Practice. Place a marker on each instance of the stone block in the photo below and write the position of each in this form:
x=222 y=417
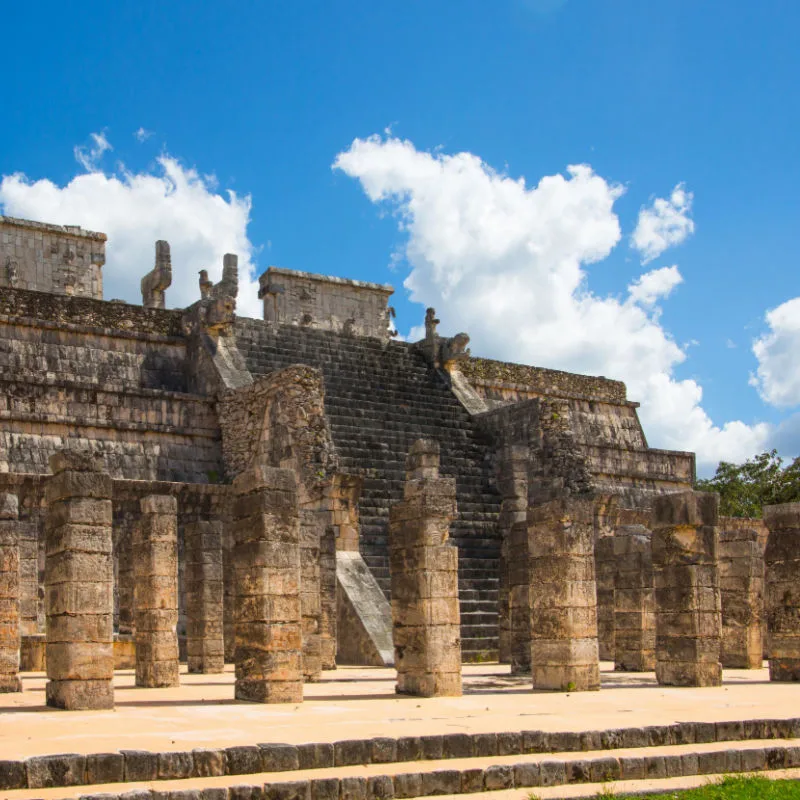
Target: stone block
x=325 y=789
x=380 y=787
x=279 y=757
x=140 y=765
x=353 y=788
x=208 y=762
x=80 y=695
x=13 y=775
x=67 y=769
x=243 y=760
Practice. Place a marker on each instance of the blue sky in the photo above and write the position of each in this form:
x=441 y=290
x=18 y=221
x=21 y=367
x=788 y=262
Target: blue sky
x=262 y=98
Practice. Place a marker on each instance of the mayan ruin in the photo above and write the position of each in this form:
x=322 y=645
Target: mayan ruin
x=268 y=517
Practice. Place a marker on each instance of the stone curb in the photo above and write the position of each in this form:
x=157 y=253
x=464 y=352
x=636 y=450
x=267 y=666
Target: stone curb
x=72 y=769
x=491 y=778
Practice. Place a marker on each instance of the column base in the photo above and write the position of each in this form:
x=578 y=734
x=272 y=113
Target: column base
x=80 y=695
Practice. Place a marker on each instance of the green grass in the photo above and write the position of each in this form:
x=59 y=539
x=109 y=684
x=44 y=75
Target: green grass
x=734 y=787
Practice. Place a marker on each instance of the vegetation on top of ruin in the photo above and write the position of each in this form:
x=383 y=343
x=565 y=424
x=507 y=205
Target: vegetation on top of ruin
x=744 y=489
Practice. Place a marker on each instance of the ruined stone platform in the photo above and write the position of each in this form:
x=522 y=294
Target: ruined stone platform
x=498 y=735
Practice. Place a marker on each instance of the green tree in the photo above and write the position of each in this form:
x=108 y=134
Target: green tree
x=744 y=489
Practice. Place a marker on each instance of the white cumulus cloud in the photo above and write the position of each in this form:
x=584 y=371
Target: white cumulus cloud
x=142 y=134
x=507 y=262
x=777 y=377
x=171 y=202
x=664 y=224
x=655 y=285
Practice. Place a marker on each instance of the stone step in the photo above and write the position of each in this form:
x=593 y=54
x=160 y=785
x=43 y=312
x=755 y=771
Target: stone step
x=455 y=764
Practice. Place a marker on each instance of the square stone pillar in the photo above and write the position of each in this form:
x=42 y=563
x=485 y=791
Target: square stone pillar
x=686 y=576
x=31 y=563
x=634 y=600
x=604 y=568
x=155 y=592
x=426 y=618
x=312 y=526
x=564 y=650
x=782 y=561
x=741 y=583
x=203 y=579
x=266 y=561
x=327 y=588
x=9 y=594
x=79 y=589
x=515 y=610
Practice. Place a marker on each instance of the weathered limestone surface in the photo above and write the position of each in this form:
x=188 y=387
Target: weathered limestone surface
x=515 y=603
x=327 y=605
x=155 y=599
x=741 y=581
x=602 y=423
x=604 y=566
x=63 y=259
x=564 y=650
x=426 y=620
x=203 y=577
x=339 y=510
x=9 y=594
x=105 y=378
x=266 y=561
x=31 y=577
x=782 y=560
x=688 y=606
x=79 y=584
x=634 y=600
x=320 y=301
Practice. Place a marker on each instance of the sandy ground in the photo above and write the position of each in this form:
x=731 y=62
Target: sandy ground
x=354 y=702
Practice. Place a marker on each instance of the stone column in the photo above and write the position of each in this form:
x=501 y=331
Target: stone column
x=513 y=486
x=686 y=577
x=266 y=562
x=564 y=650
x=741 y=583
x=634 y=600
x=782 y=559
x=9 y=594
x=327 y=587
x=604 y=567
x=426 y=619
x=203 y=579
x=312 y=524
x=31 y=622
x=79 y=590
x=155 y=593
x=340 y=509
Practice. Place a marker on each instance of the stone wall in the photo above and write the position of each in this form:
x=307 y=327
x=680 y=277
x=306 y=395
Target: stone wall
x=106 y=378
x=586 y=443
x=280 y=419
x=504 y=382
x=327 y=303
x=60 y=259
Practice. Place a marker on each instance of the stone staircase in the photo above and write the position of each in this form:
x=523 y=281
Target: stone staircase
x=380 y=398
x=382 y=768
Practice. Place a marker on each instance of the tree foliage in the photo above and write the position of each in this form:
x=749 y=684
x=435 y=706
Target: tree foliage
x=763 y=480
